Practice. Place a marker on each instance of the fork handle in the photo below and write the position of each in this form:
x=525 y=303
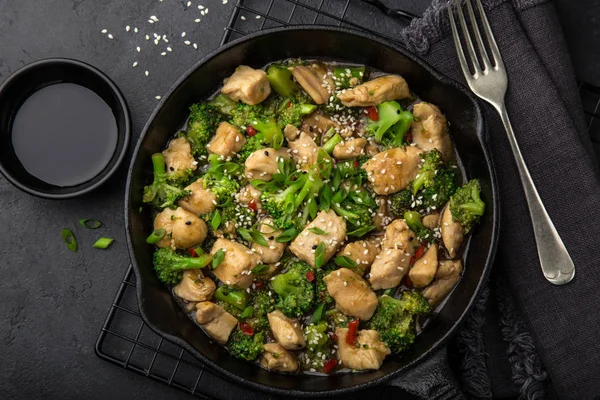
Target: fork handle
x=556 y=263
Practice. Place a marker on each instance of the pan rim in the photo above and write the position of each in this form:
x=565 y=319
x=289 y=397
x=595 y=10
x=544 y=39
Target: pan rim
x=482 y=136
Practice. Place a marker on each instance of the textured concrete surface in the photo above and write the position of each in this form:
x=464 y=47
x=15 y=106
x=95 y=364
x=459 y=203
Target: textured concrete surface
x=53 y=302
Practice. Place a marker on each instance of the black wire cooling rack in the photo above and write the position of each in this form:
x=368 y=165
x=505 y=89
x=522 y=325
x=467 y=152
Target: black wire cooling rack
x=124 y=339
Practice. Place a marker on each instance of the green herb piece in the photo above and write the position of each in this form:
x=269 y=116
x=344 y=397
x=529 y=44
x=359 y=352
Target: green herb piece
x=69 y=239
x=325 y=198
x=260 y=269
x=247 y=313
x=320 y=255
x=103 y=243
x=90 y=223
x=156 y=236
x=287 y=236
x=363 y=230
x=331 y=143
x=216 y=220
x=252 y=235
x=318 y=314
x=218 y=258
x=318 y=231
x=345 y=262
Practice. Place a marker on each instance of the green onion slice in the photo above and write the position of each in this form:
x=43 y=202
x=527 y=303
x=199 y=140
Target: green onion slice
x=345 y=262
x=363 y=230
x=216 y=220
x=318 y=314
x=69 y=239
x=318 y=231
x=156 y=236
x=287 y=236
x=218 y=258
x=260 y=269
x=320 y=255
x=90 y=223
x=103 y=243
x=247 y=313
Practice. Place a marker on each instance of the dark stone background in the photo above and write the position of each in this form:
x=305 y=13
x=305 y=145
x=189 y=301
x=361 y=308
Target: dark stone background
x=53 y=302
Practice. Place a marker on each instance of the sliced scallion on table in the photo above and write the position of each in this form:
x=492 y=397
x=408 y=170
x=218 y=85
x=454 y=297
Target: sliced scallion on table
x=103 y=243
x=69 y=239
x=90 y=223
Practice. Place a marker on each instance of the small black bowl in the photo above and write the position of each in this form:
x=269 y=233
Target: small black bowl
x=15 y=90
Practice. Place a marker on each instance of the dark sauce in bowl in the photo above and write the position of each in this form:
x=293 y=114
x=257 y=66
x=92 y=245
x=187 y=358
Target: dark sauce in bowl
x=64 y=134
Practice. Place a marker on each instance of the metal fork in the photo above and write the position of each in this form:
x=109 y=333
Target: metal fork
x=490 y=83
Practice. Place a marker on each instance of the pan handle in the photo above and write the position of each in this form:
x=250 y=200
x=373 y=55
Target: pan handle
x=431 y=379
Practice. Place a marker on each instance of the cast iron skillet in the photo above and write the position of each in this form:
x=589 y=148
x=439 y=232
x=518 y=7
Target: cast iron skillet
x=160 y=311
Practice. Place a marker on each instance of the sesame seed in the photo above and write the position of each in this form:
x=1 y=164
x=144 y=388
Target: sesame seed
x=127 y=28
x=243 y=18
x=258 y=17
x=135 y=30
x=158 y=97
x=104 y=31
x=187 y=42
x=110 y=36
x=182 y=34
x=147 y=73
x=138 y=49
x=134 y=64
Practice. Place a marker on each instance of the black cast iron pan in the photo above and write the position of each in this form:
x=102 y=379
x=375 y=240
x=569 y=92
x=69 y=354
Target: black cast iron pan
x=423 y=370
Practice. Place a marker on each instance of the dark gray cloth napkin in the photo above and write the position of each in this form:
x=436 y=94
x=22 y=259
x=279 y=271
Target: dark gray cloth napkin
x=546 y=113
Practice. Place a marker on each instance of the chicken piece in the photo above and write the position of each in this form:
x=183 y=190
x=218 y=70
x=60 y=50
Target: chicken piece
x=290 y=132
x=274 y=250
x=249 y=193
x=351 y=293
x=446 y=278
x=248 y=85
x=287 y=331
x=392 y=263
x=368 y=352
x=431 y=221
x=392 y=170
x=195 y=286
x=349 y=148
x=276 y=358
x=317 y=124
x=362 y=252
x=164 y=220
x=227 y=141
x=304 y=151
x=306 y=242
x=376 y=91
x=215 y=321
x=430 y=130
x=237 y=263
x=201 y=201
x=188 y=229
x=184 y=229
x=452 y=232
x=178 y=156
x=263 y=163
x=371 y=149
x=423 y=272
x=315 y=81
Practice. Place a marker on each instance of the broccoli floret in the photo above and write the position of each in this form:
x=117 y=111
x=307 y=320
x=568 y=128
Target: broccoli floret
x=323 y=296
x=296 y=294
x=169 y=265
x=262 y=305
x=394 y=319
x=318 y=344
x=435 y=183
x=253 y=144
x=280 y=78
x=356 y=207
x=466 y=205
x=237 y=298
x=162 y=192
x=351 y=168
x=292 y=110
x=337 y=318
x=413 y=220
x=392 y=125
x=224 y=104
x=203 y=123
x=261 y=118
x=400 y=203
x=246 y=347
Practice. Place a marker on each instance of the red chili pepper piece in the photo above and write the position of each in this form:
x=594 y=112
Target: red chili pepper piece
x=246 y=329
x=408 y=283
x=372 y=113
x=329 y=365
x=355 y=163
x=412 y=261
x=252 y=205
x=310 y=276
x=251 y=131
x=259 y=284
x=192 y=252
x=352 y=330
x=289 y=104
x=334 y=337
x=420 y=251
x=409 y=137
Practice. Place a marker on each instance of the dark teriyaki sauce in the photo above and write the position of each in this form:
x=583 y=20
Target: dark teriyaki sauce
x=64 y=134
